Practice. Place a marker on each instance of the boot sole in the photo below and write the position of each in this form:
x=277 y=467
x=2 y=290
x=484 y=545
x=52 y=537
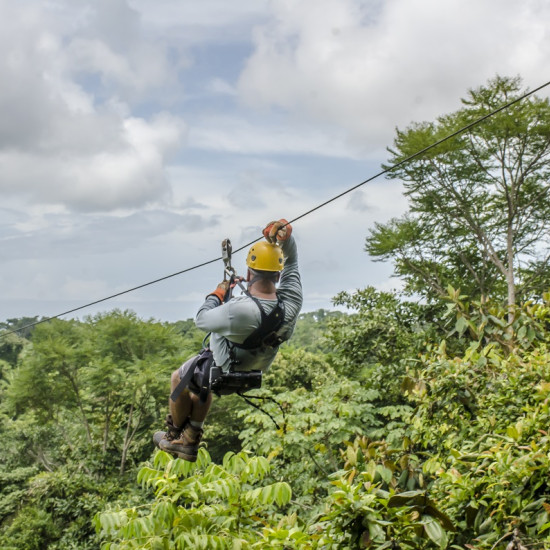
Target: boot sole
x=183 y=456
x=178 y=454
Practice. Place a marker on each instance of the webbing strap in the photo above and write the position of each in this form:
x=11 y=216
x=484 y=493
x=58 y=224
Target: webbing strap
x=205 y=382
x=205 y=357
x=269 y=324
x=185 y=379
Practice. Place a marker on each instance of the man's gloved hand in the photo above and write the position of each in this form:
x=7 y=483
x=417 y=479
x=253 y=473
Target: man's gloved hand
x=221 y=291
x=277 y=231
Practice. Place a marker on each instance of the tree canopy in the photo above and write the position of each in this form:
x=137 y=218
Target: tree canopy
x=479 y=203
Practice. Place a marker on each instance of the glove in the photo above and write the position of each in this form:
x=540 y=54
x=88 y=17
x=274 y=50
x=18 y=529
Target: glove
x=221 y=291
x=277 y=231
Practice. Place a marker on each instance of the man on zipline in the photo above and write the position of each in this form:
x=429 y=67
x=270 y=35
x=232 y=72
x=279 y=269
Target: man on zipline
x=246 y=332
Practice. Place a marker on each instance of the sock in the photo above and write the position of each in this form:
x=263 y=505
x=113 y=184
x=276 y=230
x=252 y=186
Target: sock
x=196 y=424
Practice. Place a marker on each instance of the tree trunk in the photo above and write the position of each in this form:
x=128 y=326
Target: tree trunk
x=80 y=404
x=106 y=429
x=510 y=275
x=126 y=443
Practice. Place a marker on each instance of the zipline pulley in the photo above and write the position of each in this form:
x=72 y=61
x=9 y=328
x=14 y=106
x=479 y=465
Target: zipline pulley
x=228 y=270
x=229 y=273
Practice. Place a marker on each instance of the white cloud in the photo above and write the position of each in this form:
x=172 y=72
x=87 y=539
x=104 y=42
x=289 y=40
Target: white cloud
x=74 y=288
x=207 y=14
x=235 y=134
x=220 y=87
x=369 y=66
x=63 y=142
x=127 y=170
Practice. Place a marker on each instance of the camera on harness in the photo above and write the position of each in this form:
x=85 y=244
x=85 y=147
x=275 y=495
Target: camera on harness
x=226 y=383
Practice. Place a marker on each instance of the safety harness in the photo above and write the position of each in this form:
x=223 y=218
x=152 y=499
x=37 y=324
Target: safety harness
x=266 y=334
x=202 y=376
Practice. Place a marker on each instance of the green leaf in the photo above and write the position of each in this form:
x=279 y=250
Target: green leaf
x=512 y=431
x=435 y=532
x=544 y=527
x=407 y=498
x=385 y=473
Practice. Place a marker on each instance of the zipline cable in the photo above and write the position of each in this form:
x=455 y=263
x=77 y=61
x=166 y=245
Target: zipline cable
x=422 y=151
x=46 y=319
x=321 y=205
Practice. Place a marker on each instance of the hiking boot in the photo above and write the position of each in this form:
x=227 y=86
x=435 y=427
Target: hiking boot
x=186 y=446
x=172 y=433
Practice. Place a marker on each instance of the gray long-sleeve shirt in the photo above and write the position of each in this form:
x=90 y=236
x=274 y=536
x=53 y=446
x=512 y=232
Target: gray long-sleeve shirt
x=235 y=320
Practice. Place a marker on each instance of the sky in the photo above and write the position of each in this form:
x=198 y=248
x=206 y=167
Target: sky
x=136 y=135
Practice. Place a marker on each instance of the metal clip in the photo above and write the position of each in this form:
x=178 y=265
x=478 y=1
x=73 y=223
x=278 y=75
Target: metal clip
x=226 y=257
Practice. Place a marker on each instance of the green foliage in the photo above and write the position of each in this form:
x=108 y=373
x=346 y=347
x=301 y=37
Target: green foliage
x=80 y=405
x=312 y=426
x=11 y=346
x=506 y=328
x=203 y=505
x=297 y=369
x=102 y=386
x=309 y=334
x=395 y=438
x=381 y=500
x=383 y=330
x=224 y=424
x=12 y=489
x=374 y=345
x=19 y=325
x=53 y=510
x=483 y=417
x=32 y=530
x=70 y=502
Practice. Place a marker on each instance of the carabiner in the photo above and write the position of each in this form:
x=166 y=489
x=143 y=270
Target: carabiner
x=226 y=257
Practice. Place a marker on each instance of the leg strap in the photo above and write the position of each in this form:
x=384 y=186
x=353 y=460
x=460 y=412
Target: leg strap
x=185 y=378
x=199 y=366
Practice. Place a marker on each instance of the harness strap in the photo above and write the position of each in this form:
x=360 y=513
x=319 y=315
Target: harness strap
x=185 y=379
x=205 y=382
x=205 y=356
x=270 y=323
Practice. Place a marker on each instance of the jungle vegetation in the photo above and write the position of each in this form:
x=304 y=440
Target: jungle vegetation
x=410 y=420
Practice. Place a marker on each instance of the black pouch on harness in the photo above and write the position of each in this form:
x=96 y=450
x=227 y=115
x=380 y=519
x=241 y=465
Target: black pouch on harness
x=226 y=383
x=196 y=376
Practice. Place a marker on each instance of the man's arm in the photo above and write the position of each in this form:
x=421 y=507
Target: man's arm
x=290 y=286
x=210 y=317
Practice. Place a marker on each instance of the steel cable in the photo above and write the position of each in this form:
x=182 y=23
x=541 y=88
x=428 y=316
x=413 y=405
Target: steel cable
x=321 y=205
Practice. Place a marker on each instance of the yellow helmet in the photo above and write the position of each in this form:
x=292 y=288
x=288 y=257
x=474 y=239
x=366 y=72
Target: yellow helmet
x=264 y=256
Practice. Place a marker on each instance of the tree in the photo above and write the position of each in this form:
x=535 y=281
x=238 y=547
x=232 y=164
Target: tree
x=102 y=386
x=382 y=330
x=20 y=325
x=479 y=203
x=76 y=416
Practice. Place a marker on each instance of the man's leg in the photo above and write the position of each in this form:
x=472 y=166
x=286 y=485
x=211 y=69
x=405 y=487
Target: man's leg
x=181 y=408
x=199 y=410
x=188 y=405
x=187 y=415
